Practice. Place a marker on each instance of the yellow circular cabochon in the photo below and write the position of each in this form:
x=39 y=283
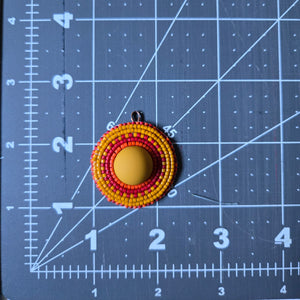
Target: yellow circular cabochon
x=133 y=165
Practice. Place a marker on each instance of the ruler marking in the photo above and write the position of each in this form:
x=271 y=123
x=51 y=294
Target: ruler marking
x=35 y=20
x=133 y=271
x=30 y=148
x=33 y=51
x=31 y=12
x=35 y=144
x=259 y=269
x=166 y=270
x=109 y=271
x=29 y=130
x=30 y=4
x=34 y=81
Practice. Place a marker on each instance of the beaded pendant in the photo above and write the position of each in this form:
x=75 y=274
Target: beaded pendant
x=134 y=164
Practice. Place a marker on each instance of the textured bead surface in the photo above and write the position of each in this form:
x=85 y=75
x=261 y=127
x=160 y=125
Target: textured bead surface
x=149 y=187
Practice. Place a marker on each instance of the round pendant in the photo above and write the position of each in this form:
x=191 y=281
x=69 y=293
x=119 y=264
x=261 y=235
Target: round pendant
x=134 y=164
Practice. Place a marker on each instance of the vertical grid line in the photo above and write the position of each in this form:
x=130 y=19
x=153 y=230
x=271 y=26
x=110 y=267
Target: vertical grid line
x=156 y=121
x=283 y=263
x=93 y=100
x=219 y=130
x=219 y=115
x=30 y=136
x=156 y=100
x=157 y=267
x=94 y=268
x=221 y=266
x=281 y=113
x=156 y=85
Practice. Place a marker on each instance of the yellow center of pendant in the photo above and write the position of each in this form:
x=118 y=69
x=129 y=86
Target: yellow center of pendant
x=133 y=165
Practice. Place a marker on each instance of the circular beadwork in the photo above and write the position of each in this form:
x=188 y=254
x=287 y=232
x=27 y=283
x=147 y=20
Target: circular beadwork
x=138 y=134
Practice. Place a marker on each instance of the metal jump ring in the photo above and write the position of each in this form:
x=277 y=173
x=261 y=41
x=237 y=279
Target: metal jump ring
x=136 y=116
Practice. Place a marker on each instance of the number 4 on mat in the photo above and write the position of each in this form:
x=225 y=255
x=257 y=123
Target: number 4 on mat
x=284 y=237
x=63 y=19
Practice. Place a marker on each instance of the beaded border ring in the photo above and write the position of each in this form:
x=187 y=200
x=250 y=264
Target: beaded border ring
x=140 y=134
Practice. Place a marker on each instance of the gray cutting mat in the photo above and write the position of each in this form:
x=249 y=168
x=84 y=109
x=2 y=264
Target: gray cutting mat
x=222 y=79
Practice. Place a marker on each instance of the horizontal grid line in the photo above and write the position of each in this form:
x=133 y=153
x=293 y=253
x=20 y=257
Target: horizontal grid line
x=216 y=143
x=175 y=273
x=151 y=19
x=154 y=270
x=213 y=19
x=164 y=80
x=294 y=205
